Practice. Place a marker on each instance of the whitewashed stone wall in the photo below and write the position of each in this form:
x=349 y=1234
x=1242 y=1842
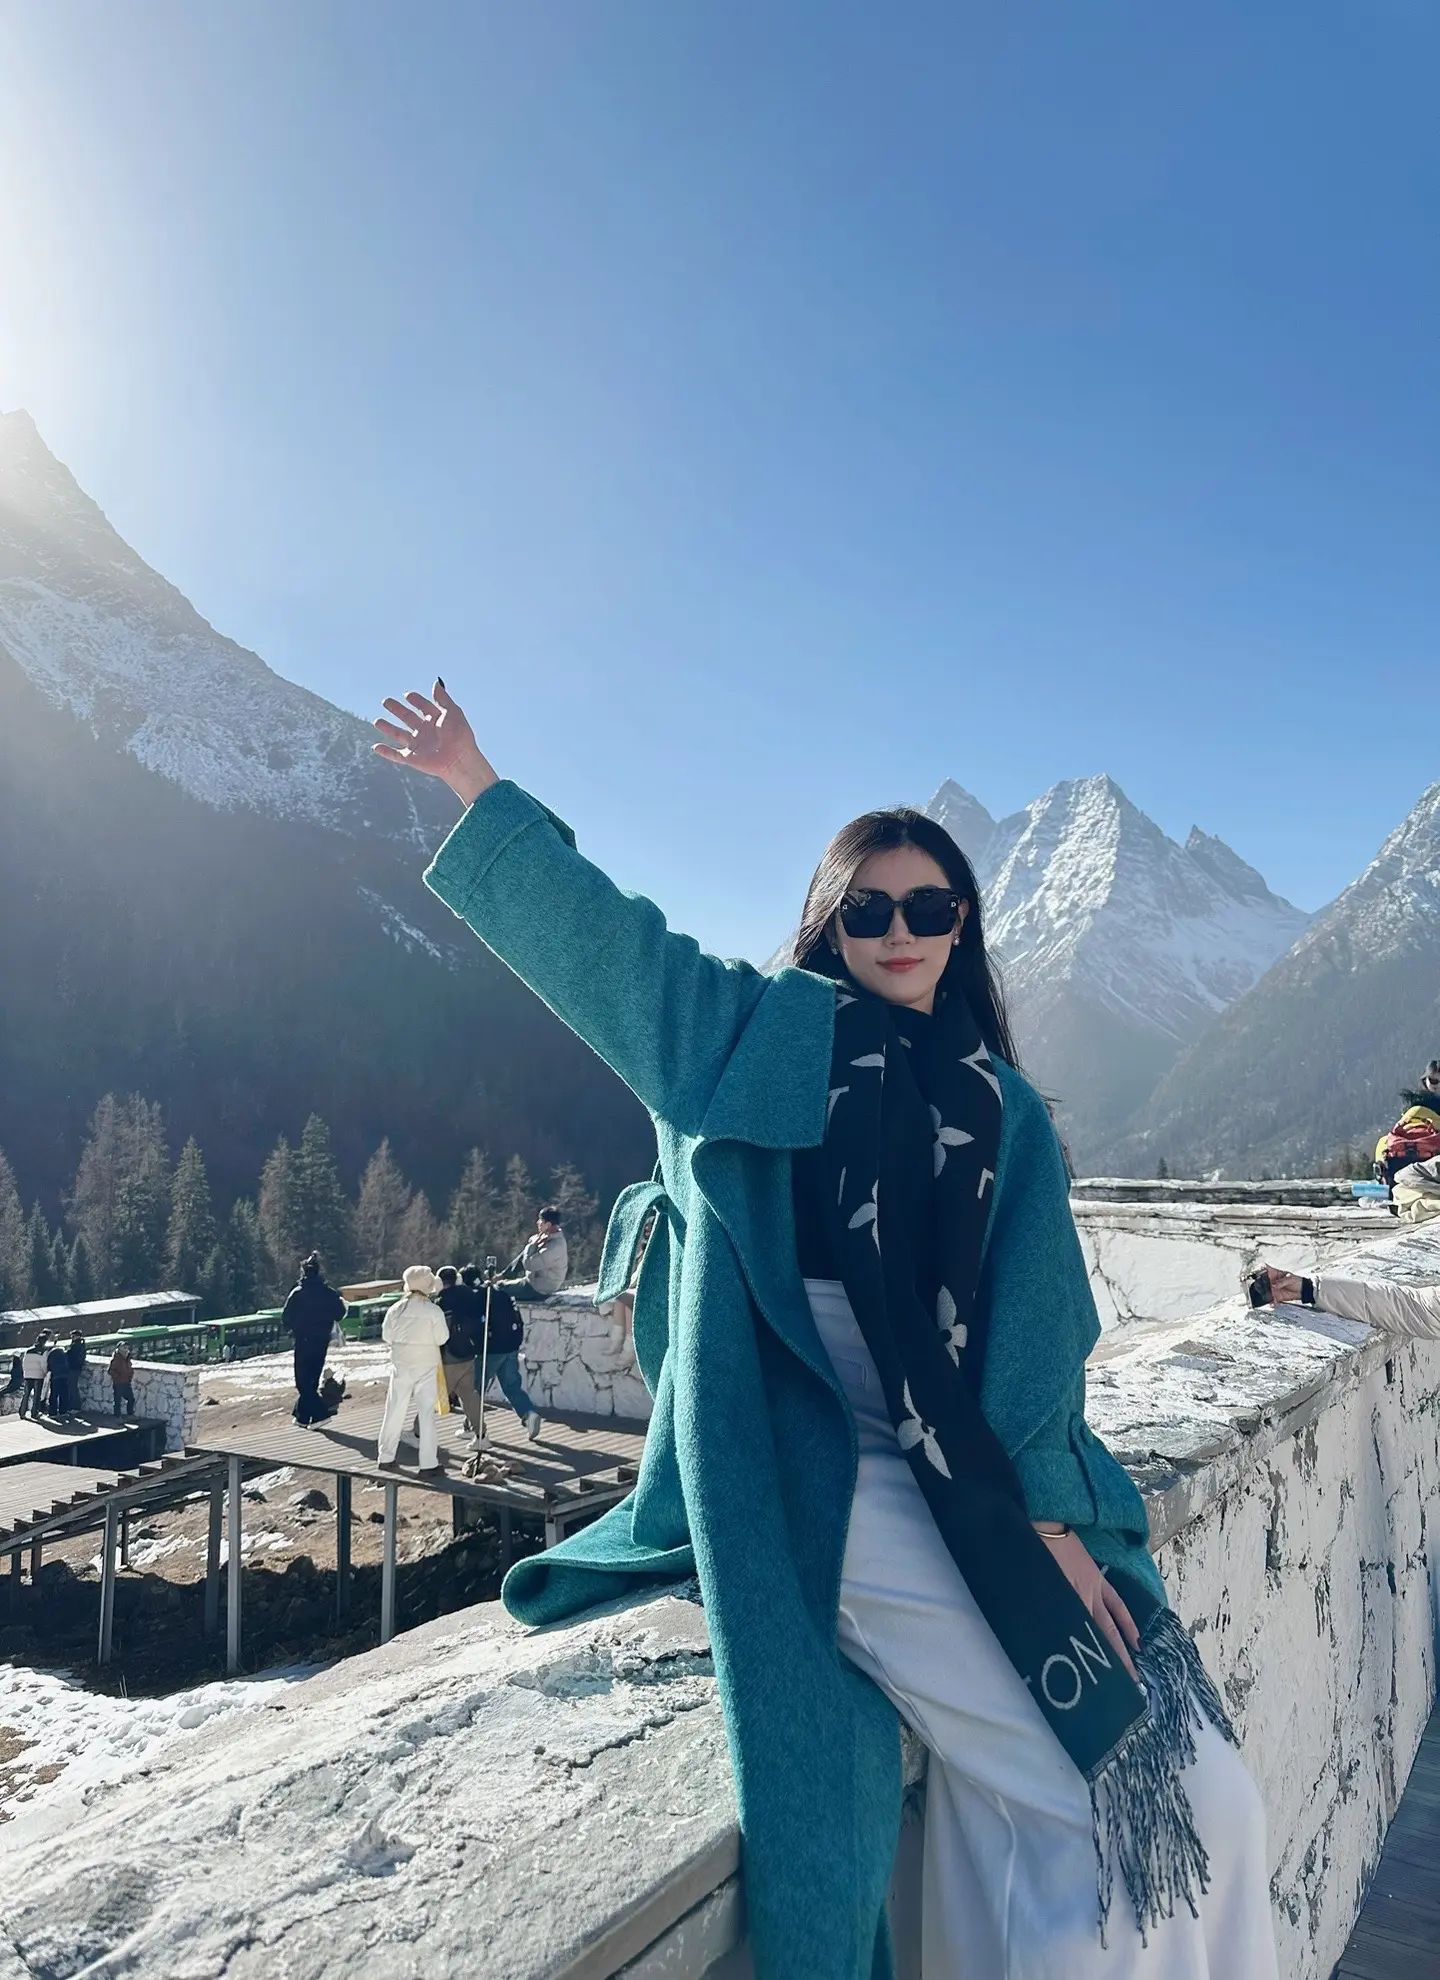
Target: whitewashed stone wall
x=1290 y=1462
x=1162 y=1260
x=167 y=1389
x=579 y=1358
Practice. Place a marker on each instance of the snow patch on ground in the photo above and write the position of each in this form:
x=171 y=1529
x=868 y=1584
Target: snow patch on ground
x=77 y=1743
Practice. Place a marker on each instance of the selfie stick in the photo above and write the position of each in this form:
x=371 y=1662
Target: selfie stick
x=490 y=1264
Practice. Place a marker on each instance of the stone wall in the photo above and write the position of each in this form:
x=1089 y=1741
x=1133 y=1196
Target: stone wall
x=169 y=1390
x=1161 y=1260
x=1288 y=1462
x=580 y=1358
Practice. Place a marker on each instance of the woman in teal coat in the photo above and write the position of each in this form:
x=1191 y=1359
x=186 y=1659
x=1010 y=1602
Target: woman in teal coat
x=864 y=1318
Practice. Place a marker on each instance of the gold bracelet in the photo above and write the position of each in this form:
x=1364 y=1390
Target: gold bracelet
x=1058 y=1532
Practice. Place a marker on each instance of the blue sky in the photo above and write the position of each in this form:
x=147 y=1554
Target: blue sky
x=759 y=412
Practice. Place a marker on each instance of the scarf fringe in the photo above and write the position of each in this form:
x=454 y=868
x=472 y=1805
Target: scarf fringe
x=1144 y=1826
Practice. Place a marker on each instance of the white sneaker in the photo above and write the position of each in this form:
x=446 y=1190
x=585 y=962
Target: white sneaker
x=532 y=1425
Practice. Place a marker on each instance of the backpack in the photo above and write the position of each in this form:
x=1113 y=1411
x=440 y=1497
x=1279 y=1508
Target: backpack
x=1415 y=1137
x=507 y=1329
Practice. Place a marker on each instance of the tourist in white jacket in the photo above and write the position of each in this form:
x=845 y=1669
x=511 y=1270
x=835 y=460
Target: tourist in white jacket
x=415 y=1330
x=1382 y=1303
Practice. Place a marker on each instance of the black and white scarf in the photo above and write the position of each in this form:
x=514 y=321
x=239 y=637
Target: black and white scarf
x=908 y=1163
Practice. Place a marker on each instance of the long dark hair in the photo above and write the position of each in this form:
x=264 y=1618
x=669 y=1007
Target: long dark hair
x=969 y=970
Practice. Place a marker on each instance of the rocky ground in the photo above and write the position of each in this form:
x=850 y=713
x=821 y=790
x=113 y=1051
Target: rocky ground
x=289 y=1589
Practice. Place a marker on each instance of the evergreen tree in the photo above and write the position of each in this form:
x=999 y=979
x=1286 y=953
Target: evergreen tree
x=121 y=1199
x=579 y=1221
x=95 y=1202
x=15 y=1279
x=474 y=1211
x=145 y=1203
x=420 y=1237
x=48 y=1286
x=236 y=1274
x=518 y=1204
x=281 y=1219
x=191 y=1235
x=60 y=1264
x=321 y=1204
x=80 y=1278
x=384 y=1199
x=1162 y=1170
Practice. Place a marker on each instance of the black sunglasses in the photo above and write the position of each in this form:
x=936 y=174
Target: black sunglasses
x=927 y=911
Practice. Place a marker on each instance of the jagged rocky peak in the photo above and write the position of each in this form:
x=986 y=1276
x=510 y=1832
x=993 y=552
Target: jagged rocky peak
x=1234 y=874
x=964 y=818
x=103 y=636
x=1395 y=904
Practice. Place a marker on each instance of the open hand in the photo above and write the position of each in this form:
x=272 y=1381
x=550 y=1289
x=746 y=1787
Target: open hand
x=1107 y=1609
x=431 y=734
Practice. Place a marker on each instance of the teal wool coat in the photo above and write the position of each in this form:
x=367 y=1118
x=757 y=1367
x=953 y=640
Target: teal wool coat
x=750 y=1462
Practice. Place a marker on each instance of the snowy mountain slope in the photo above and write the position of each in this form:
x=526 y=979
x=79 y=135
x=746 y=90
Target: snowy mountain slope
x=1310 y=1061
x=103 y=636
x=211 y=893
x=1118 y=945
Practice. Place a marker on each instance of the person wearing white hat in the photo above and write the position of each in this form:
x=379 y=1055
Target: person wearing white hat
x=415 y=1330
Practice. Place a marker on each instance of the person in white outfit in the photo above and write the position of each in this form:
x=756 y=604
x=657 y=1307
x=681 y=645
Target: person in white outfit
x=415 y=1330
x=1392 y=1308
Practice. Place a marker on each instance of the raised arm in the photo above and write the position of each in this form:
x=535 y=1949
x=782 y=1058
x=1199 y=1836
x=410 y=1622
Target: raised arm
x=663 y=1014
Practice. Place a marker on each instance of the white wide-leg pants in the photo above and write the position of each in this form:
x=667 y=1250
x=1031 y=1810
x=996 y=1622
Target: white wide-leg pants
x=1009 y=1869
x=412 y=1393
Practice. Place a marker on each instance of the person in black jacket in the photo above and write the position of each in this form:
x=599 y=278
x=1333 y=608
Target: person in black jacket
x=312 y=1311
x=507 y=1337
x=57 y=1367
x=465 y=1317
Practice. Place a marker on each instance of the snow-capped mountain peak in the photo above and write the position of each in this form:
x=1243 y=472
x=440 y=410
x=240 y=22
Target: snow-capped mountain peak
x=102 y=635
x=1394 y=906
x=964 y=818
x=1082 y=889
x=1117 y=945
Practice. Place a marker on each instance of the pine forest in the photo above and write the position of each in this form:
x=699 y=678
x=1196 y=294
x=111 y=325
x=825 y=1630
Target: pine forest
x=136 y=1221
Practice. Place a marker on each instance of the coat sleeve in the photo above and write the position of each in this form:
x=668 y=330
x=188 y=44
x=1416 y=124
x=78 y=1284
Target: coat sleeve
x=1394 y=1309
x=654 y=1006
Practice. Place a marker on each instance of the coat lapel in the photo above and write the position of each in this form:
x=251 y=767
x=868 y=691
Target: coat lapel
x=771 y=1099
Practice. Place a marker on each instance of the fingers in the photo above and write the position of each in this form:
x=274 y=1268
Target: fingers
x=393 y=755
x=413 y=722
x=1115 y=1603
x=1113 y=1638
x=423 y=706
x=402 y=736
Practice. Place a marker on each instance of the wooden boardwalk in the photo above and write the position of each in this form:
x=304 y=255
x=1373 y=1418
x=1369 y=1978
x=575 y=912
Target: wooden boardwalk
x=577 y=1463
x=114 y=1442
x=1397 y=1936
x=576 y=1468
